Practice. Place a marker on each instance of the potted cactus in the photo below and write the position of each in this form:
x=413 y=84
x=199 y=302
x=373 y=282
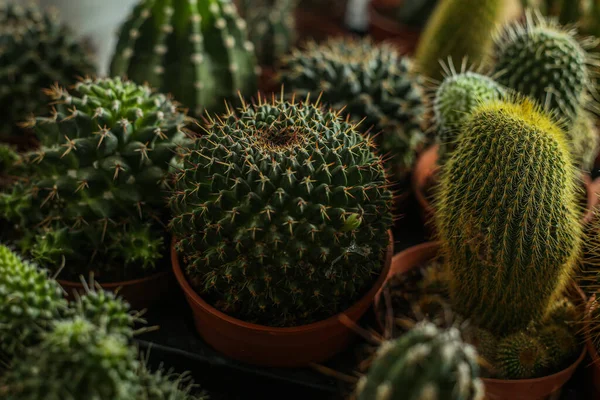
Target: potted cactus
x=281 y=218
x=91 y=198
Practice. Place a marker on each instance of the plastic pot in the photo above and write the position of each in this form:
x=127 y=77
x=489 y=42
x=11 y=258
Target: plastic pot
x=271 y=346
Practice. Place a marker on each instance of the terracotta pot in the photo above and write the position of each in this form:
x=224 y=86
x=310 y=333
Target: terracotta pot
x=496 y=389
x=275 y=347
x=385 y=28
x=140 y=293
x=595 y=366
x=426 y=166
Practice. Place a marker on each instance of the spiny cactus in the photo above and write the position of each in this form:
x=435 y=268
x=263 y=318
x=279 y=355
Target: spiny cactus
x=547 y=62
x=271 y=27
x=455 y=98
x=36 y=50
x=281 y=213
x=458 y=29
x=368 y=81
x=167 y=385
x=95 y=187
x=561 y=344
x=503 y=237
x=8 y=157
x=521 y=356
x=29 y=302
x=196 y=50
x=425 y=363
x=585 y=140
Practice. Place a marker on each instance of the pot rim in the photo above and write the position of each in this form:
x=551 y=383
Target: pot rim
x=113 y=285
x=331 y=321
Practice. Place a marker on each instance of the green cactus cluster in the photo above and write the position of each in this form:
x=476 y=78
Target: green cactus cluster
x=370 y=82
x=281 y=212
x=271 y=27
x=94 y=192
x=36 y=50
x=196 y=50
x=425 y=363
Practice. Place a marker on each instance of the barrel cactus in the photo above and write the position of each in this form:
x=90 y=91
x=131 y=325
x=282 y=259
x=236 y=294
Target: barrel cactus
x=281 y=213
x=370 y=82
x=36 y=50
x=93 y=192
x=196 y=50
x=522 y=355
x=494 y=216
x=425 y=363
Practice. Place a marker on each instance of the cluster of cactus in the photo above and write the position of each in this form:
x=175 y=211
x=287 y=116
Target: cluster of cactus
x=494 y=215
x=271 y=27
x=425 y=363
x=36 y=50
x=196 y=50
x=92 y=194
x=370 y=82
x=281 y=211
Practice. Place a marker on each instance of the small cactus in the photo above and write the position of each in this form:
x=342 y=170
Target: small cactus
x=562 y=345
x=167 y=385
x=425 y=363
x=521 y=355
x=585 y=140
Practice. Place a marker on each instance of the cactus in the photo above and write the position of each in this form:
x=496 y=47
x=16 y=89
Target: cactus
x=585 y=140
x=521 y=355
x=271 y=27
x=95 y=187
x=281 y=213
x=455 y=98
x=370 y=82
x=547 y=62
x=561 y=344
x=36 y=50
x=167 y=385
x=196 y=50
x=503 y=238
x=458 y=29
x=563 y=311
x=29 y=302
x=425 y=363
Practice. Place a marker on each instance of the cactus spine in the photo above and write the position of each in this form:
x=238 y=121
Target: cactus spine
x=196 y=50
x=503 y=237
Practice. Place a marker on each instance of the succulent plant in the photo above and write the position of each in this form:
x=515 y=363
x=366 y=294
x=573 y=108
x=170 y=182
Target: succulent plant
x=425 y=363
x=8 y=157
x=36 y=50
x=370 y=82
x=561 y=344
x=271 y=27
x=458 y=29
x=494 y=216
x=585 y=140
x=167 y=385
x=281 y=212
x=93 y=192
x=547 y=62
x=196 y=50
x=29 y=302
x=521 y=355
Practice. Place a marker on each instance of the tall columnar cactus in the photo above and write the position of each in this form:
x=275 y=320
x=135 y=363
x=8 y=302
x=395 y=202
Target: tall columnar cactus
x=458 y=29
x=281 y=213
x=510 y=246
x=368 y=81
x=29 y=302
x=95 y=187
x=547 y=62
x=425 y=363
x=196 y=50
x=271 y=27
x=36 y=50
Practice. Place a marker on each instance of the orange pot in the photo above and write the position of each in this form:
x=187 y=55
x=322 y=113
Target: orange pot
x=384 y=28
x=275 y=347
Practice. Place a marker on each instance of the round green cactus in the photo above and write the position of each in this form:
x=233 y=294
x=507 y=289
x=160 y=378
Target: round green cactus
x=521 y=355
x=562 y=345
x=281 y=213
x=585 y=140
x=36 y=50
x=29 y=302
x=503 y=238
x=94 y=191
x=370 y=82
x=196 y=50
x=425 y=363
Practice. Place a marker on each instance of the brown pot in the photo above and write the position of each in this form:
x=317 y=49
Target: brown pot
x=595 y=366
x=140 y=293
x=496 y=389
x=385 y=28
x=275 y=347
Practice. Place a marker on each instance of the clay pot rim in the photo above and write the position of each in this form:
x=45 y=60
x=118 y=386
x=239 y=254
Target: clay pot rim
x=331 y=321
x=431 y=245
x=114 y=285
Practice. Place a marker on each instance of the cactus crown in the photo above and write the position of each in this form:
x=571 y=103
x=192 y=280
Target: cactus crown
x=281 y=211
x=367 y=81
x=196 y=50
x=95 y=185
x=495 y=214
x=36 y=50
x=425 y=363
